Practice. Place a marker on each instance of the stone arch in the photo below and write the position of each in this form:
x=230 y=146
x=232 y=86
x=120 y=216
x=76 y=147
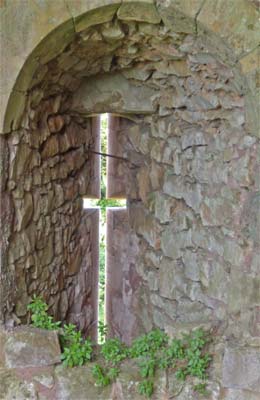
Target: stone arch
x=57 y=23
x=158 y=47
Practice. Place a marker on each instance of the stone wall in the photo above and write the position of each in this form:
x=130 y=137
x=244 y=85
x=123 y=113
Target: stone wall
x=53 y=242
x=122 y=280
x=192 y=174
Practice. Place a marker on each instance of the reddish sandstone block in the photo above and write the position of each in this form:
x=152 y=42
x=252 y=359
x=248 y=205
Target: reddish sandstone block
x=29 y=347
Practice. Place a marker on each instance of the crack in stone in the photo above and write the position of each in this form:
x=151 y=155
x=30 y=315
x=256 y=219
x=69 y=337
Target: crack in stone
x=196 y=16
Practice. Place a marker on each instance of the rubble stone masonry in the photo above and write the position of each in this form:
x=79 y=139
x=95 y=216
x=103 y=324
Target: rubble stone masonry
x=181 y=77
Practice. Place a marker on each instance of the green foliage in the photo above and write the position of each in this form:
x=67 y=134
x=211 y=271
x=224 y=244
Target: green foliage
x=176 y=350
x=148 y=343
x=181 y=374
x=114 y=351
x=76 y=351
x=100 y=376
x=196 y=339
x=169 y=355
x=146 y=388
x=77 y=354
x=102 y=331
x=198 y=361
x=40 y=319
x=104 y=375
x=103 y=203
x=201 y=389
x=113 y=373
x=147 y=367
x=187 y=357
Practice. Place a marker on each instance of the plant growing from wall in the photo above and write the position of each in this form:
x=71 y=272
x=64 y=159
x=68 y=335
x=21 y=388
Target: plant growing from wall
x=186 y=357
x=40 y=318
x=102 y=331
x=76 y=350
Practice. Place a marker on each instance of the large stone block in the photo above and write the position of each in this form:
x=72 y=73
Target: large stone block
x=113 y=93
x=241 y=368
x=97 y=15
x=175 y=18
x=139 y=11
x=78 y=383
x=29 y=347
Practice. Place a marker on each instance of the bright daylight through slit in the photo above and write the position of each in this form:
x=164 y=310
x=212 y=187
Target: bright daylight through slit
x=103 y=203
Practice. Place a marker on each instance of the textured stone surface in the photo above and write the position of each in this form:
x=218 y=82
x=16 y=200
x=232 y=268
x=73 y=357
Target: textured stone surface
x=113 y=93
x=14 y=388
x=38 y=18
x=93 y=17
x=241 y=368
x=244 y=291
x=122 y=279
x=139 y=11
x=174 y=17
x=77 y=383
x=236 y=394
x=28 y=347
x=242 y=35
x=235 y=21
x=192 y=151
x=116 y=168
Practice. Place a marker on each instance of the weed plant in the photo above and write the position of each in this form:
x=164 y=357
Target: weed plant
x=186 y=357
x=40 y=318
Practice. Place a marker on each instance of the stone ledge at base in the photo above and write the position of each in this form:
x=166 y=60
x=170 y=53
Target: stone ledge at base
x=29 y=371
x=28 y=347
x=60 y=383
